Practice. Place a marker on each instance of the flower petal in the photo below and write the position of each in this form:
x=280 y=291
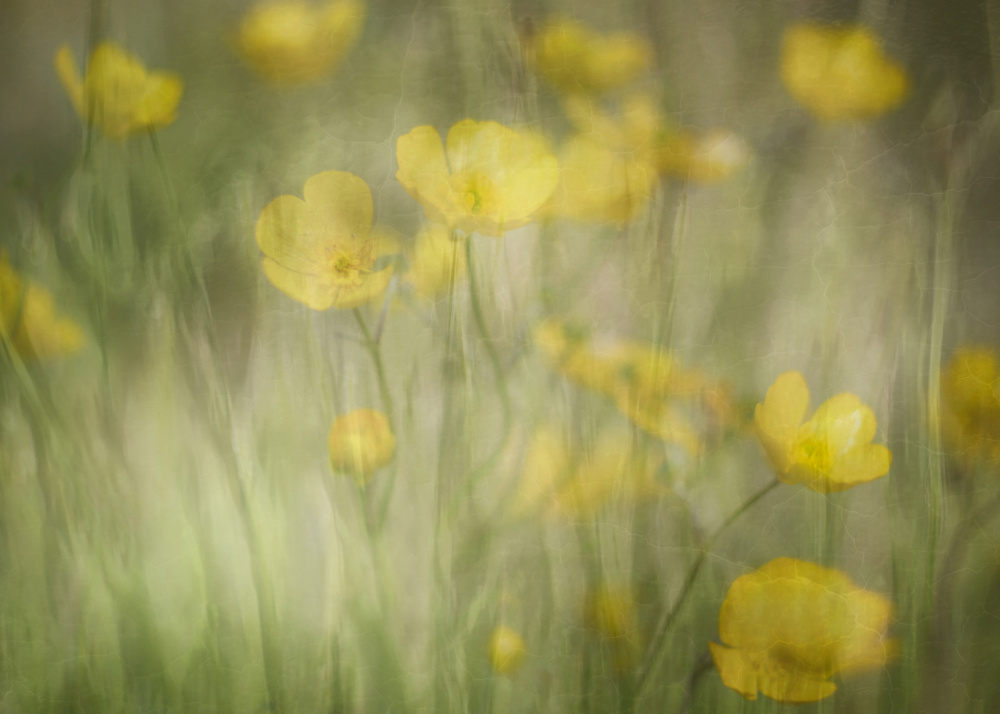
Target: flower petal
x=778 y=418
x=342 y=203
x=158 y=106
x=307 y=289
x=423 y=172
x=69 y=75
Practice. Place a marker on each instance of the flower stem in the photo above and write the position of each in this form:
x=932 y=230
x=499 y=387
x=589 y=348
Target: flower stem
x=659 y=638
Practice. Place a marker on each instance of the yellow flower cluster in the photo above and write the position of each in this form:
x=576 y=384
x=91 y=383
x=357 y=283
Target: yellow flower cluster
x=29 y=323
x=970 y=405
x=791 y=625
x=361 y=442
x=832 y=451
x=840 y=72
x=117 y=93
x=647 y=384
x=321 y=251
x=293 y=42
x=490 y=179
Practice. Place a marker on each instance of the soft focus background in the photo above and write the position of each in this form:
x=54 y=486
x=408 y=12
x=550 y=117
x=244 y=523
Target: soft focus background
x=172 y=537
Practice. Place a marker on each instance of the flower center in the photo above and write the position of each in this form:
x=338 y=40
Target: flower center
x=477 y=193
x=814 y=451
x=345 y=268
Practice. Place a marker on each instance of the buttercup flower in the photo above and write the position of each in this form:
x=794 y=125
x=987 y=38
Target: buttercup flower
x=506 y=650
x=840 y=72
x=491 y=180
x=790 y=626
x=117 y=93
x=970 y=404
x=832 y=451
x=435 y=262
x=573 y=58
x=598 y=184
x=321 y=251
x=28 y=319
x=361 y=443
x=291 y=42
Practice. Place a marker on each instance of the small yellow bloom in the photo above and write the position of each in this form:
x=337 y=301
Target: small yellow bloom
x=970 y=404
x=574 y=58
x=117 y=93
x=437 y=261
x=506 y=650
x=840 y=72
x=713 y=156
x=598 y=184
x=361 y=443
x=492 y=180
x=291 y=42
x=790 y=626
x=28 y=319
x=832 y=451
x=322 y=251
x=568 y=349
x=610 y=611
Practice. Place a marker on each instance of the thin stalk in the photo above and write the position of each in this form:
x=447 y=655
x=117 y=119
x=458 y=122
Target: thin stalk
x=660 y=636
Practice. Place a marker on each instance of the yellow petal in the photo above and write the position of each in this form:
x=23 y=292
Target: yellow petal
x=777 y=420
x=69 y=75
x=342 y=203
x=735 y=671
x=361 y=442
x=859 y=465
x=347 y=297
x=158 y=106
x=506 y=650
x=423 y=172
x=284 y=233
x=307 y=289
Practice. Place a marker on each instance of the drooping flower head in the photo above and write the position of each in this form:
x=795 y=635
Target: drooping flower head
x=361 y=442
x=791 y=625
x=832 y=451
x=840 y=72
x=321 y=251
x=292 y=41
x=117 y=93
x=28 y=319
x=970 y=404
x=489 y=180
x=506 y=650
x=573 y=58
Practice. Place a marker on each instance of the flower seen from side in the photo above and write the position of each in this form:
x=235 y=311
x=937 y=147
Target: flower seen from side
x=29 y=323
x=840 y=72
x=321 y=251
x=573 y=58
x=489 y=179
x=790 y=626
x=970 y=405
x=361 y=442
x=117 y=93
x=437 y=261
x=832 y=450
x=506 y=650
x=291 y=42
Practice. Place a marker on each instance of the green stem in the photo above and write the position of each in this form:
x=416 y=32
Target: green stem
x=659 y=638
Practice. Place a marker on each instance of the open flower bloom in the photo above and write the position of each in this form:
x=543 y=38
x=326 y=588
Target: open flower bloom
x=840 y=72
x=790 y=626
x=559 y=483
x=574 y=58
x=28 y=319
x=640 y=134
x=291 y=41
x=436 y=263
x=598 y=184
x=322 y=251
x=970 y=404
x=647 y=384
x=361 y=442
x=506 y=650
x=117 y=93
x=832 y=451
x=490 y=180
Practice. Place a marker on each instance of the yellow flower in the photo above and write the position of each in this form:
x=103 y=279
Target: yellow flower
x=568 y=350
x=713 y=156
x=291 y=42
x=832 y=451
x=790 y=626
x=493 y=179
x=322 y=251
x=28 y=319
x=506 y=650
x=436 y=262
x=970 y=404
x=598 y=184
x=361 y=443
x=574 y=58
x=610 y=611
x=840 y=72
x=117 y=92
